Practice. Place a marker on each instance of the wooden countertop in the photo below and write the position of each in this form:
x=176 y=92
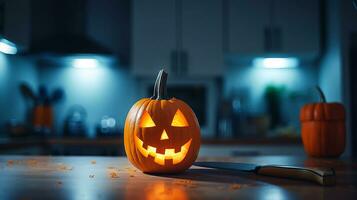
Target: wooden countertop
x=50 y=177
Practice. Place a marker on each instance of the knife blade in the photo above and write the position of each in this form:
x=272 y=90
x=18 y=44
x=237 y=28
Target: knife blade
x=322 y=176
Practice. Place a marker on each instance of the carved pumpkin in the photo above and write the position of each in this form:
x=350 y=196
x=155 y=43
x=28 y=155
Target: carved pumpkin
x=323 y=128
x=161 y=135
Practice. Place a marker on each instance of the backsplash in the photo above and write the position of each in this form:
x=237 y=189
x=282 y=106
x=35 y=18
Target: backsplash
x=112 y=90
x=13 y=71
x=104 y=91
x=268 y=101
x=252 y=82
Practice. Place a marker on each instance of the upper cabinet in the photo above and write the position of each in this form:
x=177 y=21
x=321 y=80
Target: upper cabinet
x=202 y=35
x=247 y=26
x=258 y=27
x=182 y=36
x=154 y=36
x=298 y=23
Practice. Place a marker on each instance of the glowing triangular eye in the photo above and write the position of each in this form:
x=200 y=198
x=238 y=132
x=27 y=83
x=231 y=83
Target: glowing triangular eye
x=146 y=121
x=179 y=119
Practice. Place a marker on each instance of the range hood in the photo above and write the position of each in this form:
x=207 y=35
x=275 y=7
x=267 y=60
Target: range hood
x=68 y=44
x=59 y=29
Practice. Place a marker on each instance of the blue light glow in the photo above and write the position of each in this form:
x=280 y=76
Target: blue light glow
x=276 y=63
x=3 y=68
x=7 y=47
x=85 y=63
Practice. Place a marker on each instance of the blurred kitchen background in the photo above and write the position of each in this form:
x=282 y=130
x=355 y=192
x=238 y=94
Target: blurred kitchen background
x=71 y=69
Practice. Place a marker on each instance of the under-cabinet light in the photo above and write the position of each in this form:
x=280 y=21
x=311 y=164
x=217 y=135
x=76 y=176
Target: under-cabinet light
x=85 y=63
x=7 y=47
x=276 y=63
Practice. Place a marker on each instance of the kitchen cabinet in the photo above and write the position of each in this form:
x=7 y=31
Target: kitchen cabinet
x=273 y=27
x=116 y=15
x=184 y=37
x=15 y=21
x=247 y=23
x=154 y=36
x=202 y=37
x=298 y=21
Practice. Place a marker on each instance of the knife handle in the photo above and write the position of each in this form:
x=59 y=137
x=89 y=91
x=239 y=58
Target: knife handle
x=323 y=176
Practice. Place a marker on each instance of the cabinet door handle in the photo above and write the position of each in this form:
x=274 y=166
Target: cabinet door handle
x=267 y=39
x=179 y=63
x=2 y=16
x=184 y=62
x=174 y=61
x=277 y=39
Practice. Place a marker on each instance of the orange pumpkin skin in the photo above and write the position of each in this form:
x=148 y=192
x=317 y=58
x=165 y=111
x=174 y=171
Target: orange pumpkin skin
x=323 y=129
x=176 y=145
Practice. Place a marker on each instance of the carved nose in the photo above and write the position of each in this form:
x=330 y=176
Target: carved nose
x=164 y=135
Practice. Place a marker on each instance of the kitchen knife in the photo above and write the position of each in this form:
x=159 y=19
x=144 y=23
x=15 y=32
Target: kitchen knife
x=323 y=176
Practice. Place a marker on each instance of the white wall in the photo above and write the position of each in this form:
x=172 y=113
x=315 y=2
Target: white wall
x=105 y=90
x=252 y=81
x=257 y=79
x=341 y=21
x=330 y=76
x=348 y=20
x=13 y=71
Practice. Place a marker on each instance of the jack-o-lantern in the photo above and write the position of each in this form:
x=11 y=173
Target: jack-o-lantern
x=161 y=135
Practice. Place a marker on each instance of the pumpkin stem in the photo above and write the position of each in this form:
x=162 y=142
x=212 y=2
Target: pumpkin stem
x=321 y=94
x=160 y=86
x=154 y=95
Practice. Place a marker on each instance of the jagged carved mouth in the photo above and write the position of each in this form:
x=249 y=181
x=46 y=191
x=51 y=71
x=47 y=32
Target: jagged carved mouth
x=169 y=154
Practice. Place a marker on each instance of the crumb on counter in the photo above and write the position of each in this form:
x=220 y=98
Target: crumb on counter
x=10 y=163
x=114 y=175
x=113 y=172
x=188 y=183
x=31 y=162
x=236 y=186
x=220 y=187
x=64 y=167
x=91 y=176
x=93 y=162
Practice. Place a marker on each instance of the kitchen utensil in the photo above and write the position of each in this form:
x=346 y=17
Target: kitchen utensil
x=15 y=128
x=323 y=176
x=26 y=91
x=56 y=96
x=30 y=100
x=225 y=122
x=107 y=126
x=42 y=94
x=75 y=122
